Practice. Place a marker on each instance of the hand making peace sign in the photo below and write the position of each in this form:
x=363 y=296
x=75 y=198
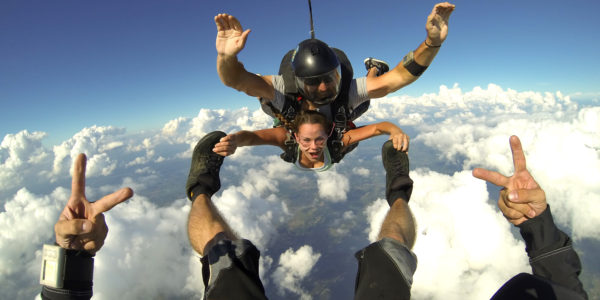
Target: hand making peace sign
x=81 y=224
x=521 y=198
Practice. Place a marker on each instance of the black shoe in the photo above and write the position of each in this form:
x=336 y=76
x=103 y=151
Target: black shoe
x=381 y=65
x=397 y=182
x=204 y=171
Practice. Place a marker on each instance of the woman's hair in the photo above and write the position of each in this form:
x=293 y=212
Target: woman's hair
x=311 y=117
x=287 y=124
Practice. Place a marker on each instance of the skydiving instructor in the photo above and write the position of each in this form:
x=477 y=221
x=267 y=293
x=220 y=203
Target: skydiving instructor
x=318 y=79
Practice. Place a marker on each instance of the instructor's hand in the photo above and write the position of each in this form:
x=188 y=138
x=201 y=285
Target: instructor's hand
x=231 y=37
x=437 y=23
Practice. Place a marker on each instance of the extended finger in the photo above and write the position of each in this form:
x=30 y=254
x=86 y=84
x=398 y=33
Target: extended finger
x=517 y=154
x=224 y=151
x=78 y=181
x=398 y=142
x=235 y=24
x=109 y=201
x=491 y=176
x=224 y=148
x=222 y=22
x=218 y=22
x=405 y=143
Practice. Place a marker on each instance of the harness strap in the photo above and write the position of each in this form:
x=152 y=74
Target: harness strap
x=291 y=149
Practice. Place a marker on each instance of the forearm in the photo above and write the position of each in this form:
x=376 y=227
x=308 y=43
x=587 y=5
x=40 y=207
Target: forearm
x=271 y=136
x=230 y=70
x=77 y=281
x=402 y=75
x=362 y=133
x=425 y=54
x=386 y=128
x=247 y=138
x=233 y=74
x=551 y=252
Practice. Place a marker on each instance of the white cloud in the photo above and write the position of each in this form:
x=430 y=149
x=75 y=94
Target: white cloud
x=462 y=240
x=149 y=240
x=92 y=141
x=293 y=268
x=561 y=152
x=364 y=172
x=460 y=234
x=375 y=213
x=26 y=223
x=333 y=186
x=18 y=152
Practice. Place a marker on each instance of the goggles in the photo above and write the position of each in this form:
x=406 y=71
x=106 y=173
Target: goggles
x=309 y=86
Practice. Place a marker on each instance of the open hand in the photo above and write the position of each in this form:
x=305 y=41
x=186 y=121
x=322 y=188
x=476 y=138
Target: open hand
x=231 y=37
x=437 y=23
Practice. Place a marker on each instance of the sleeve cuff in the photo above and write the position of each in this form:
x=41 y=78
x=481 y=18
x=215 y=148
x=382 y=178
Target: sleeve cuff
x=541 y=234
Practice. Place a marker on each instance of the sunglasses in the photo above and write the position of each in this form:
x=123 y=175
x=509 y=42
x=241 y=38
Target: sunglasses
x=319 y=141
x=318 y=80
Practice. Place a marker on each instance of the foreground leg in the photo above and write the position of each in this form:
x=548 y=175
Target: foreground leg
x=399 y=223
x=386 y=267
x=229 y=264
x=204 y=221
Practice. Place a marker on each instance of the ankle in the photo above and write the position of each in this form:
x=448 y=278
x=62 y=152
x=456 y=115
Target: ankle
x=200 y=191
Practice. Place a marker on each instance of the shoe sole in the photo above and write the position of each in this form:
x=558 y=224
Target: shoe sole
x=379 y=64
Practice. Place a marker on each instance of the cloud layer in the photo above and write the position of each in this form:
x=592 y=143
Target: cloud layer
x=296 y=218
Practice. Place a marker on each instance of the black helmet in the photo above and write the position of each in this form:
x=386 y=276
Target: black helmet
x=315 y=63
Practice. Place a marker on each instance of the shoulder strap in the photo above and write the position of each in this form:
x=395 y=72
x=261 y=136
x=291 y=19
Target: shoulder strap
x=290 y=153
x=286 y=70
x=293 y=103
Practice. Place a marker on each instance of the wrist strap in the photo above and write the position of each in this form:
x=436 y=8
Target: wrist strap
x=79 y=270
x=412 y=66
x=432 y=46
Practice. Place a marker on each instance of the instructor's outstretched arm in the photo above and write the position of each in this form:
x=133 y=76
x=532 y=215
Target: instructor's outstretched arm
x=231 y=39
x=415 y=63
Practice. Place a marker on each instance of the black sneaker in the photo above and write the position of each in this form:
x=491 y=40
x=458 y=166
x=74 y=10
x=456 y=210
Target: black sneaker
x=397 y=182
x=381 y=65
x=204 y=171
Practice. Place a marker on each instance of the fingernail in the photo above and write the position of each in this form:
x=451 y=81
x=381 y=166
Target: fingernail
x=531 y=213
x=85 y=227
x=512 y=196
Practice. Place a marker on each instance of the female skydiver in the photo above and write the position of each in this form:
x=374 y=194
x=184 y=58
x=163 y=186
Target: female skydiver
x=311 y=131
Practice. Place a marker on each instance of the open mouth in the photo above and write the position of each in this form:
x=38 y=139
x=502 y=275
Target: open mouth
x=314 y=155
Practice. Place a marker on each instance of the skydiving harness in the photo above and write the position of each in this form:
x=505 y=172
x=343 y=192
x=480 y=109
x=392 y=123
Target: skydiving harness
x=342 y=115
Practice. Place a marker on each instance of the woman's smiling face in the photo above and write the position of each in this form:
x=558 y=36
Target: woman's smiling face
x=312 y=139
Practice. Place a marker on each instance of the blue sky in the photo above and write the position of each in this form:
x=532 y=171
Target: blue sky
x=67 y=65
